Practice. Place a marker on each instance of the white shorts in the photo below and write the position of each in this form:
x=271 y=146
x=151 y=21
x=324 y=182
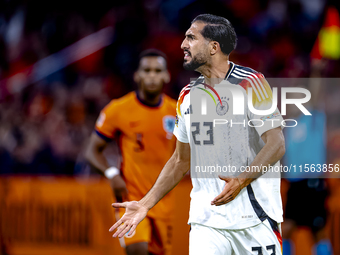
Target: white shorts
x=262 y=239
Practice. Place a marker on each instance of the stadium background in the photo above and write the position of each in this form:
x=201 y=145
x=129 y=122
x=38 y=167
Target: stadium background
x=53 y=85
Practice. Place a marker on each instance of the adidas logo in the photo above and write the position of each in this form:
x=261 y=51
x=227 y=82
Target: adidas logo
x=189 y=110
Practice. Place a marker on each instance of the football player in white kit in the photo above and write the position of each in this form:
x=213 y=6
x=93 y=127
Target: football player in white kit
x=234 y=209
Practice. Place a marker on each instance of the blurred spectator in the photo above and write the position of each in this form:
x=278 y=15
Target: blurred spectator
x=274 y=37
x=44 y=127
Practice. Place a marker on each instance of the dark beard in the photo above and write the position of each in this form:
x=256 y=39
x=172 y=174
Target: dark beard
x=195 y=63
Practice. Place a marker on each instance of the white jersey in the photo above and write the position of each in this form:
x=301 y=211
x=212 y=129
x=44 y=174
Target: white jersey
x=225 y=136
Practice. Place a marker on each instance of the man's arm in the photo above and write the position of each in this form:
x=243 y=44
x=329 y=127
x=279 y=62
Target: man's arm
x=170 y=176
x=272 y=151
x=94 y=155
x=173 y=171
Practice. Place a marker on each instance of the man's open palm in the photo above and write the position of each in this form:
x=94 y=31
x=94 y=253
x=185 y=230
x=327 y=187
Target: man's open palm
x=134 y=213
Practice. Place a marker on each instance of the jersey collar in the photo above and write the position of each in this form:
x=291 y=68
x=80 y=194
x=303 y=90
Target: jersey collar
x=201 y=79
x=231 y=69
x=146 y=104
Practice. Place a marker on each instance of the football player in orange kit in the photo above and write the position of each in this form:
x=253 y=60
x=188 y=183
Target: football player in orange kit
x=143 y=121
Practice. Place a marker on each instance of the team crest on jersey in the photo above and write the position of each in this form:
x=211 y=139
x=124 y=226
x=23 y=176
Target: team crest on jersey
x=222 y=109
x=176 y=121
x=169 y=123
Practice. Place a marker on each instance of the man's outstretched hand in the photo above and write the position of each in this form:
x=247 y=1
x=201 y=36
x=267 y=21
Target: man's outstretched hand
x=231 y=189
x=134 y=213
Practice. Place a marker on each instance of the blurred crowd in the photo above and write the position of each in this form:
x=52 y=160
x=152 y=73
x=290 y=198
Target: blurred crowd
x=44 y=125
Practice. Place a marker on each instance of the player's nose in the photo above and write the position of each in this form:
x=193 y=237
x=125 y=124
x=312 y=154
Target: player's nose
x=185 y=45
x=152 y=74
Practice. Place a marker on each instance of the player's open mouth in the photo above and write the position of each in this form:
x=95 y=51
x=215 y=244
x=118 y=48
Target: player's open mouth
x=187 y=55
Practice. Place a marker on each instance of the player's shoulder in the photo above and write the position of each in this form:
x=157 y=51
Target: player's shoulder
x=244 y=68
x=122 y=101
x=169 y=101
x=185 y=88
x=243 y=72
x=246 y=77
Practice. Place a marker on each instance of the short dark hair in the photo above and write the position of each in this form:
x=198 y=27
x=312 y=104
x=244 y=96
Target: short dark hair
x=153 y=53
x=218 y=29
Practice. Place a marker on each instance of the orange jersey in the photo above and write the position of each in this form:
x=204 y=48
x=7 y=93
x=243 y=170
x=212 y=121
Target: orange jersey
x=146 y=142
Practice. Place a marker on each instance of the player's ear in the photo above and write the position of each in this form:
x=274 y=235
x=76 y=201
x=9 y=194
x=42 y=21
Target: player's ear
x=136 y=77
x=213 y=47
x=166 y=77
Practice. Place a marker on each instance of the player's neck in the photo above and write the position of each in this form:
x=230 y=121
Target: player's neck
x=216 y=72
x=149 y=100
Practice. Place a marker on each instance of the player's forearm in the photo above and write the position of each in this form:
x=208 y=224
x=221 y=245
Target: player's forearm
x=172 y=173
x=97 y=160
x=272 y=152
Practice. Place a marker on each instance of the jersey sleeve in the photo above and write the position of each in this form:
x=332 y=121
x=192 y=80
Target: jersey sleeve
x=180 y=130
x=106 y=124
x=262 y=99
